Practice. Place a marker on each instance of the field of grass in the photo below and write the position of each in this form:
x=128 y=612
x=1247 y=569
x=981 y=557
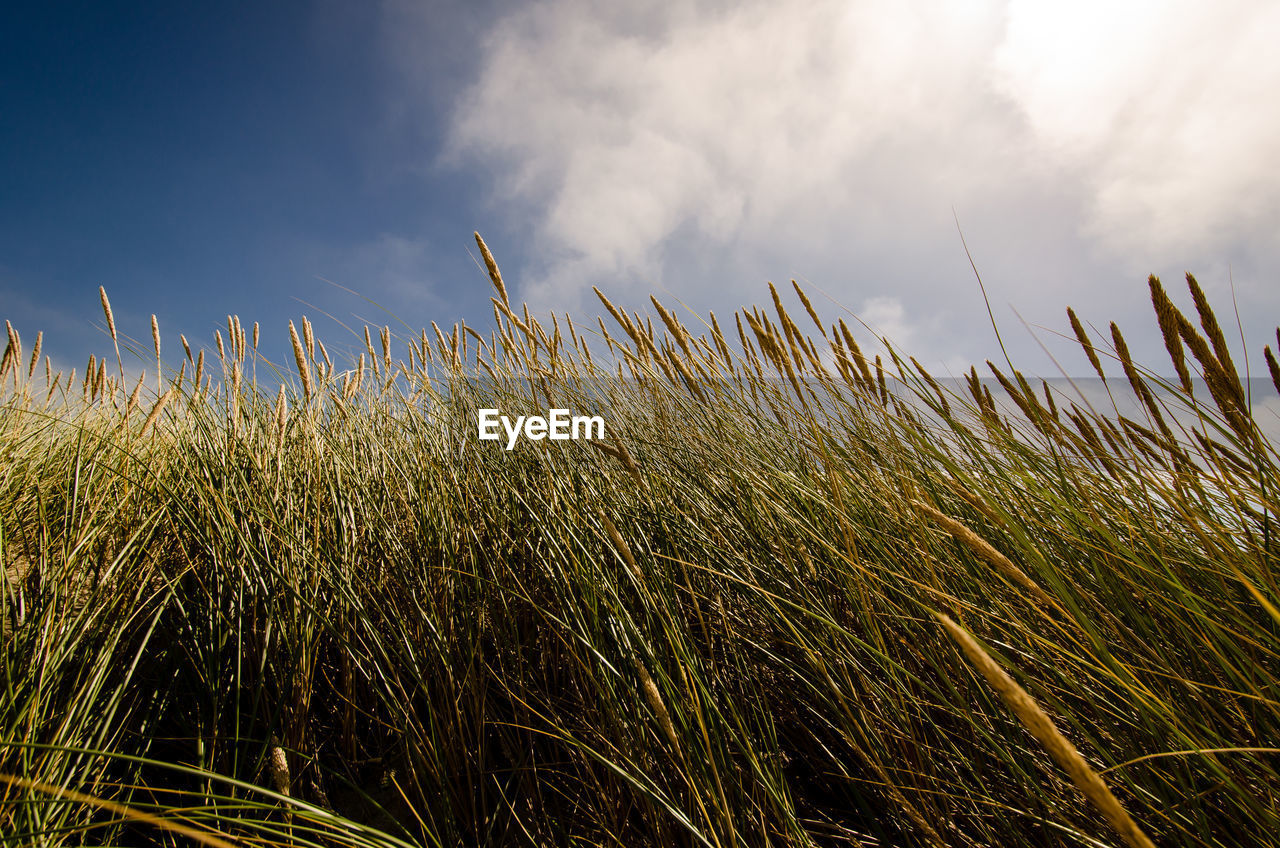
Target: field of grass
x=797 y=596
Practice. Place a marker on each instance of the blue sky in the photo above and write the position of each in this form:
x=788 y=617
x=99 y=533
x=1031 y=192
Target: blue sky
x=206 y=159
x=200 y=160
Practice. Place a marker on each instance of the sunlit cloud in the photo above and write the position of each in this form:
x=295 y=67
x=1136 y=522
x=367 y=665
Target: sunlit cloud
x=1079 y=147
x=1162 y=104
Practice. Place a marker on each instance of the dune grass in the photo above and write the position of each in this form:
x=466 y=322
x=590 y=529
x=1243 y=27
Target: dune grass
x=798 y=596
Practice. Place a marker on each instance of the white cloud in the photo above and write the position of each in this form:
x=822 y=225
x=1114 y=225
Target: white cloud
x=739 y=123
x=887 y=318
x=1079 y=145
x=1166 y=101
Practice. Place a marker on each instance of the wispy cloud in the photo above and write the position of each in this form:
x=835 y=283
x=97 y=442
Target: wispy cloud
x=706 y=146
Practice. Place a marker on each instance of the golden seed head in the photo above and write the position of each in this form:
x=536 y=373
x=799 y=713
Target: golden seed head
x=808 y=307
x=884 y=394
x=492 y=267
x=1272 y=366
x=35 y=354
x=308 y=337
x=6 y=362
x=133 y=398
x=1126 y=360
x=300 y=359
x=155 y=335
x=1211 y=328
x=654 y=698
x=281 y=416
x=1038 y=723
x=942 y=398
x=1167 y=316
x=1083 y=338
x=984 y=549
x=1226 y=391
x=156 y=410
x=106 y=309
x=279 y=768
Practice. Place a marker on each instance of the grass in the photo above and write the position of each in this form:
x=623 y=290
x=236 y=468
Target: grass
x=797 y=597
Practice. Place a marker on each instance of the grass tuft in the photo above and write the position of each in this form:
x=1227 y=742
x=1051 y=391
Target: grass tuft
x=320 y=611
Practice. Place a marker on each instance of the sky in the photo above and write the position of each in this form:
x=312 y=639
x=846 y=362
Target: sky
x=205 y=159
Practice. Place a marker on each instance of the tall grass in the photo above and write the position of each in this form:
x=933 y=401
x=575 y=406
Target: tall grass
x=798 y=596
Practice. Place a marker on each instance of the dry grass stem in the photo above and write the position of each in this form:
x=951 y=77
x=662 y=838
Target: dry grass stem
x=441 y=621
x=808 y=307
x=1272 y=366
x=1209 y=322
x=1042 y=728
x=154 y=415
x=121 y=810
x=1167 y=316
x=111 y=326
x=654 y=698
x=492 y=267
x=984 y=549
x=35 y=354
x=1083 y=338
x=300 y=359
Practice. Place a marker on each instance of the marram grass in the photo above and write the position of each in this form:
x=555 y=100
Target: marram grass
x=799 y=595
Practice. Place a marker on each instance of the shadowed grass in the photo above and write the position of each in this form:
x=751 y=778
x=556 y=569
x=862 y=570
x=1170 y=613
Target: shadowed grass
x=332 y=616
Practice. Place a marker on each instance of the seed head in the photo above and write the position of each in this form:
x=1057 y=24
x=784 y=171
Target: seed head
x=1083 y=338
x=495 y=276
x=1038 y=723
x=300 y=358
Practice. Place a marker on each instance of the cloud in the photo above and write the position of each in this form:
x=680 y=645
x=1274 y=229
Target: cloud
x=735 y=122
x=1163 y=102
x=887 y=318
x=834 y=140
